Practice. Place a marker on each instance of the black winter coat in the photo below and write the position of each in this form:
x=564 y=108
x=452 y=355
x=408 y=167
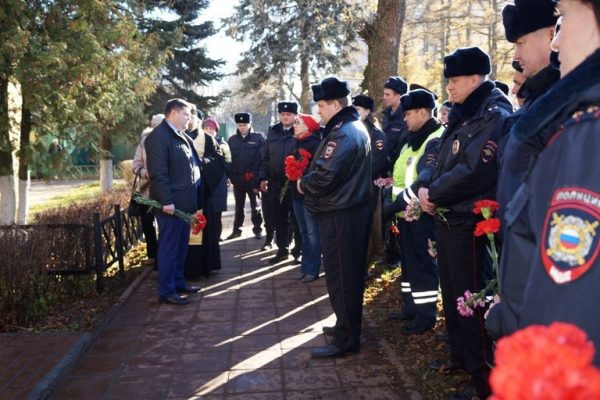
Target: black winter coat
x=246 y=155
x=549 y=266
x=466 y=169
x=278 y=146
x=513 y=159
x=379 y=150
x=396 y=134
x=174 y=170
x=340 y=173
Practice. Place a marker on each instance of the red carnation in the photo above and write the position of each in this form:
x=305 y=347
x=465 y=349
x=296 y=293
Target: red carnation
x=483 y=204
x=539 y=362
x=487 y=226
x=198 y=223
x=394 y=229
x=248 y=176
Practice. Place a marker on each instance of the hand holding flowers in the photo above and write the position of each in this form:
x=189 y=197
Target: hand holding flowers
x=294 y=169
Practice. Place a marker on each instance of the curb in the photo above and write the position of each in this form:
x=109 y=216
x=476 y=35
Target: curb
x=45 y=386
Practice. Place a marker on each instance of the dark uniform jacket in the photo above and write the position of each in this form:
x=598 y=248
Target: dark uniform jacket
x=379 y=150
x=396 y=133
x=246 y=155
x=278 y=146
x=340 y=173
x=549 y=266
x=173 y=166
x=512 y=157
x=466 y=169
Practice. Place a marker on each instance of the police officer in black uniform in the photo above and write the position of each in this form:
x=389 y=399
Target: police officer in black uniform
x=553 y=221
x=338 y=191
x=393 y=124
x=419 y=269
x=280 y=143
x=365 y=106
x=246 y=146
x=530 y=22
x=466 y=171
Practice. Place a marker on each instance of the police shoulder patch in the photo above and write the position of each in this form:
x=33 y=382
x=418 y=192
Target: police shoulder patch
x=329 y=150
x=570 y=240
x=488 y=151
x=379 y=144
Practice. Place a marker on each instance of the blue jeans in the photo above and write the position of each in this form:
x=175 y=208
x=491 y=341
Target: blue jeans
x=311 y=245
x=173 y=240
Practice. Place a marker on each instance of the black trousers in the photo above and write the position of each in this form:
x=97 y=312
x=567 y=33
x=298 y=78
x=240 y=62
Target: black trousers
x=462 y=266
x=267 y=211
x=419 y=270
x=239 y=193
x=281 y=216
x=149 y=232
x=344 y=241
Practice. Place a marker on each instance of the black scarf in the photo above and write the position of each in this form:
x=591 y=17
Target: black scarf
x=346 y=114
x=546 y=115
x=416 y=139
x=539 y=84
x=466 y=110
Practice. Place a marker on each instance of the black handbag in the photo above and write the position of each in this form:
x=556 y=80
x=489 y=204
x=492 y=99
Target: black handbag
x=135 y=209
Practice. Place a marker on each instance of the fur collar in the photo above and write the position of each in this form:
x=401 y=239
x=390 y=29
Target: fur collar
x=571 y=92
x=416 y=139
x=346 y=114
x=467 y=110
x=539 y=84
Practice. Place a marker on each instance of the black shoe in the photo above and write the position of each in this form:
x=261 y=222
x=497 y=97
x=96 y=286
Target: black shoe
x=296 y=253
x=401 y=315
x=174 y=299
x=267 y=246
x=257 y=235
x=447 y=365
x=234 y=234
x=188 y=289
x=416 y=329
x=308 y=278
x=468 y=393
x=279 y=257
x=329 y=330
x=332 y=351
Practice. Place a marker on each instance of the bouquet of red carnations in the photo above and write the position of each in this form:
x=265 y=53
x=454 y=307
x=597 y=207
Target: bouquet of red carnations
x=197 y=221
x=294 y=169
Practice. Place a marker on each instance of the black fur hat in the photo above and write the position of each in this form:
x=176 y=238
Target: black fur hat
x=330 y=89
x=527 y=16
x=363 y=101
x=287 y=106
x=415 y=86
x=397 y=84
x=467 y=61
x=417 y=99
x=243 y=118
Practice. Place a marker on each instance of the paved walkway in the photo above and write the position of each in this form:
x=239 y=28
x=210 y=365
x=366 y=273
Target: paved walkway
x=246 y=335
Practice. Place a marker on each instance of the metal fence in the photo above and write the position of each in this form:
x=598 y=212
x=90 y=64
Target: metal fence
x=70 y=249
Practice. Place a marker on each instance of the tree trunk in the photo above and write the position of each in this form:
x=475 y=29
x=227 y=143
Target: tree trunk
x=304 y=72
x=383 y=39
x=106 y=164
x=25 y=155
x=7 y=178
